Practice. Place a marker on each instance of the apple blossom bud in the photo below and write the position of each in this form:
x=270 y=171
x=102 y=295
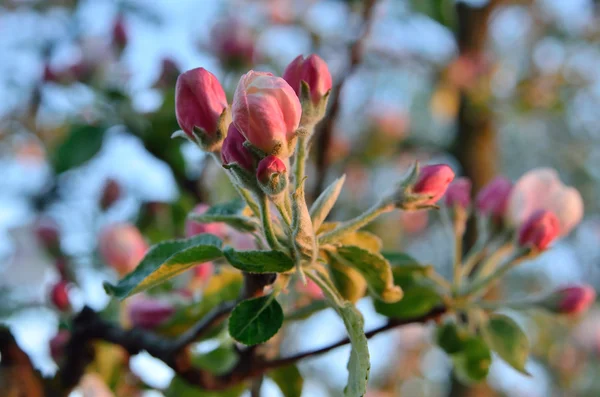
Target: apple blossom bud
x=49 y=74
x=233 y=43
x=168 y=73
x=59 y=296
x=458 y=193
x=310 y=289
x=200 y=107
x=541 y=229
x=234 y=151
x=432 y=181
x=272 y=175
x=58 y=343
x=314 y=71
x=149 y=313
x=47 y=232
x=122 y=246
x=493 y=198
x=267 y=112
x=203 y=272
x=193 y=228
x=574 y=299
x=119 y=33
x=110 y=194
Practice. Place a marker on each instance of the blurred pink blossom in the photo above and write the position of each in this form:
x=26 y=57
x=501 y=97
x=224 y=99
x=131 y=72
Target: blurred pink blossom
x=122 y=246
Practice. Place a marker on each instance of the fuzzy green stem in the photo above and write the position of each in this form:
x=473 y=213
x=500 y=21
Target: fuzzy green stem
x=354 y=224
x=300 y=163
x=279 y=202
x=440 y=281
x=483 y=284
x=265 y=215
x=490 y=264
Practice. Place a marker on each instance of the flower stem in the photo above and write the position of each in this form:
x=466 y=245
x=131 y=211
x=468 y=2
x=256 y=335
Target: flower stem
x=300 y=163
x=356 y=223
x=265 y=214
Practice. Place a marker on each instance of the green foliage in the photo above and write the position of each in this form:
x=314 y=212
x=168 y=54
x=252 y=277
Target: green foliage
x=417 y=301
x=218 y=361
x=259 y=261
x=180 y=388
x=80 y=145
x=472 y=363
x=506 y=338
x=289 y=380
x=256 y=320
x=348 y=281
x=374 y=268
x=166 y=260
x=450 y=338
x=325 y=202
x=229 y=213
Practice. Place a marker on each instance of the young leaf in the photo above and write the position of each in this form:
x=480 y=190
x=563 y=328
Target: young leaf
x=259 y=261
x=472 y=364
x=289 y=380
x=450 y=338
x=81 y=144
x=166 y=260
x=400 y=259
x=229 y=213
x=218 y=361
x=348 y=281
x=417 y=301
x=181 y=388
x=507 y=339
x=374 y=268
x=325 y=202
x=364 y=240
x=256 y=320
x=359 y=364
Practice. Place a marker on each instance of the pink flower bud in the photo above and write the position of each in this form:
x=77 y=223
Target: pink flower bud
x=542 y=188
x=168 y=73
x=203 y=272
x=199 y=101
x=149 y=313
x=49 y=74
x=541 y=229
x=58 y=343
x=234 y=151
x=123 y=247
x=119 y=33
x=193 y=228
x=493 y=198
x=233 y=42
x=267 y=112
x=573 y=299
x=311 y=289
x=458 y=193
x=433 y=180
x=48 y=234
x=110 y=194
x=314 y=71
x=59 y=296
x=269 y=166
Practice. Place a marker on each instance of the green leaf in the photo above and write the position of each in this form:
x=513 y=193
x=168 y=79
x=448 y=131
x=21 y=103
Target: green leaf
x=289 y=380
x=472 y=364
x=80 y=145
x=374 y=268
x=218 y=361
x=407 y=270
x=166 y=260
x=180 y=388
x=417 y=301
x=348 y=281
x=506 y=338
x=400 y=259
x=222 y=287
x=256 y=320
x=362 y=239
x=229 y=213
x=359 y=364
x=450 y=338
x=325 y=202
x=259 y=261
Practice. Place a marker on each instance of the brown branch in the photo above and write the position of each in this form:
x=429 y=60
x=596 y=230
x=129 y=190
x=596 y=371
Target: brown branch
x=324 y=132
x=18 y=377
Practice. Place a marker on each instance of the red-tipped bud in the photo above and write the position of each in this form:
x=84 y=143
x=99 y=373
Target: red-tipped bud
x=433 y=180
x=59 y=296
x=58 y=343
x=271 y=172
x=168 y=73
x=49 y=74
x=540 y=230
x=110 y=194
x=493 y=198
x=458 y=193
x=149 y=313
x=119 y=33
x=314 y=71
x=233 y=42
x=123 y=247
x=267 y=112
x=48 y=234
x=199 y=103
x=574 y=299
x=193 y=228
x=234 y=151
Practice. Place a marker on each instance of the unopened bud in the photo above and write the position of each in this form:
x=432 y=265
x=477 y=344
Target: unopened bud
x=59 y=296
x=110 y=194
x=47 y=232
x=458 y=193
x=201 y=108
x=149 y=313
x=119 y=33
x=571 y=300
x=123 y=247
x=58 y=344
x=272 y=175
x=423 y=187
x=492 y=200
x=539 y=230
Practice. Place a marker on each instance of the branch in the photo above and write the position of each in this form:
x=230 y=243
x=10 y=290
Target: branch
x=18 y=377
x=324 y=132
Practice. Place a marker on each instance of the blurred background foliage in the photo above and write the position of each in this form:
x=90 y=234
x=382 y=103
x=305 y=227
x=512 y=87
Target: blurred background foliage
x=490 y=86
